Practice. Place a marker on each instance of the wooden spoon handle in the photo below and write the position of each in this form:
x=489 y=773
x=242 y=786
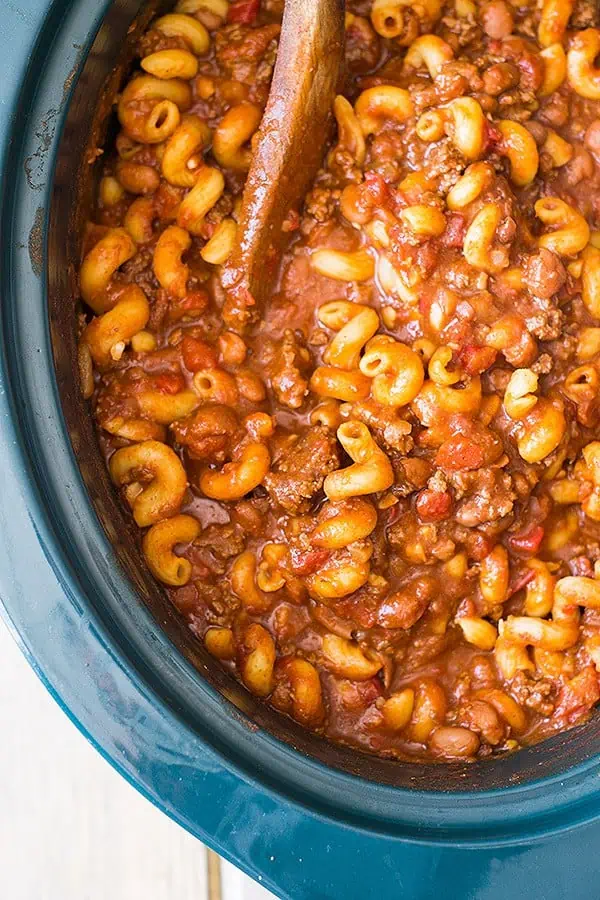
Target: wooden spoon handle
x=288 y=151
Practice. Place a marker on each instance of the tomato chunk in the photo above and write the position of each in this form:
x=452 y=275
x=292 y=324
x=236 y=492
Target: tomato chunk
x=520 y=580
x=454 y=234
x=578 y=695
x=491 y=136
x=197 y=354
x=475 y=360
x=459 y=453
x=304 y=562
x=528 y=542
x=243 y=12
x=169 y=383
x=433 y=506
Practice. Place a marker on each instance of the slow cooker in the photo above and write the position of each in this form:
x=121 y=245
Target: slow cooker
x=308 y=819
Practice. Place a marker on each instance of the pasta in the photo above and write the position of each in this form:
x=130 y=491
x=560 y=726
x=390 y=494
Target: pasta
x=376 y=498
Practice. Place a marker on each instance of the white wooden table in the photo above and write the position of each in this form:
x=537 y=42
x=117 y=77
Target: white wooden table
x=70 y=827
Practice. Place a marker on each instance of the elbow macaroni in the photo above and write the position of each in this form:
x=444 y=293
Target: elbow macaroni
x=158 y=545
x=108 y=335
x=231 y=134
x=101 y=263
x=163 y=495
x=371 y=470
x=572 y=233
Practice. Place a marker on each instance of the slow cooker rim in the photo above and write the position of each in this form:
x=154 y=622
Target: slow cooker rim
x=19 y=282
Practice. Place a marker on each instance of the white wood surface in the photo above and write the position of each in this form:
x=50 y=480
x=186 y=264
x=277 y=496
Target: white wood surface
x=70 y=827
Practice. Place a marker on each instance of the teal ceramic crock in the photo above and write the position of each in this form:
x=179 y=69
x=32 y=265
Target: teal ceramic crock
x=309 y=820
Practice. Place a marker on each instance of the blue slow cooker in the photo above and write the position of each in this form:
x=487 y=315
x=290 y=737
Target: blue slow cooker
x=309 y=820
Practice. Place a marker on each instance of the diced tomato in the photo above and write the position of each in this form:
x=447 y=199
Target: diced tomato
x=359 y=609
x=433 y=506
x=197 y=354
x=392 y=514
x=520 y=580
x=291 y=221
x=578 y=695
x=454 y=234
x=376 y=189
x=243 y=12
x=169 y=383
x=190 y=306
x=425 y=302
x=458 y=331
x=528 y=542
x=459 y=453
x=402 y=248
x=475 y=359
x=195 y=301
x=427 y=257
x=304 y=562
x=491 y=136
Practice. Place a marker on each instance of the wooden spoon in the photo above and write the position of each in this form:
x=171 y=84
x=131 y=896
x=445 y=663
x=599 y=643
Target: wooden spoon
x=288 y=149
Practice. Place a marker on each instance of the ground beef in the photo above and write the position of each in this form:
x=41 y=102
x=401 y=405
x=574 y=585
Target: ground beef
x=547 y=324
x=154 y=40
x=586 y=14
x=445 y=162
x=533 y=692
x=288 y=369
x=158 y=310
x=208 y=432
x=543 y=364
x=138 y=270
x=462 y=30
x=240 y=50
x=362 y=45
x=592 y=138
x=488 y=495
x=581 y=167
x=389 y=430
x=220 y=603
x=299 y=475
x=223 y=540
x=455 y=79
x=321 y=203
x=581 y=565
x=216 y=545
x=386 y=155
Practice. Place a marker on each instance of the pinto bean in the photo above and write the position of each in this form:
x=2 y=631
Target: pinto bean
x=591 y=138
x=581 y=166
x=406 y=606
x=544 y=274
x=482 y=718
x=453 y=742
x=497 y=19
x=500 y=77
